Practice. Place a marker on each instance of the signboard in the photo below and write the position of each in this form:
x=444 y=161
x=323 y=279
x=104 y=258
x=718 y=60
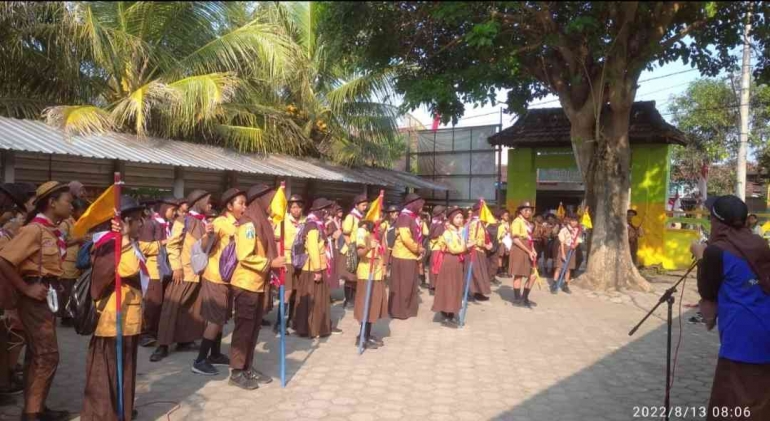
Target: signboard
x=559 y=175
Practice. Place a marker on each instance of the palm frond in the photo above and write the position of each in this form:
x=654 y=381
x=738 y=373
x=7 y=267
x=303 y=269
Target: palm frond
x=363 y=87
x=79 y=119
x=136 y=108
x=198 y=99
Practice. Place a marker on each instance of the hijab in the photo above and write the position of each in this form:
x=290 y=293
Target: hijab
x=741 y=242
x=256 y=212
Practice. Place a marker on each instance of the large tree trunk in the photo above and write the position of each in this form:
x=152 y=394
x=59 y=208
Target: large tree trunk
x=607 y=193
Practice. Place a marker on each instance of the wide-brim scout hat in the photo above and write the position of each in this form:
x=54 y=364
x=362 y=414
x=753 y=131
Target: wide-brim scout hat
x=393 y=208
x=48 y=189
x=438 y=210
x=321 y=203
x=169 y=200
x=229 y=195
x=525 y=205
x=361 y=198
x=411 y=197
x=454 y=211
x=195 y=196
x=632 y=212
x=129 y=204
x=16 y=193
x=257 y=191
x=295 y=198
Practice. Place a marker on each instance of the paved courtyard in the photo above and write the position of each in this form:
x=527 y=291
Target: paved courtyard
x=569 y=359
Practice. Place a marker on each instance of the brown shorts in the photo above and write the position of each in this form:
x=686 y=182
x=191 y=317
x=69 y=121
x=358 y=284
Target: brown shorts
x=216 y=305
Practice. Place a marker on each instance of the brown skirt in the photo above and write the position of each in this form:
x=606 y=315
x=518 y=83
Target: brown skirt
x=559 y=262
x=519 y=264
x=153 y=305
x=216 y=306
x=450 y=284
x=340 y=267
x=312 y=314
x=378 y=304
x=403 y=300
x=100 y=402
x=480 y=278
x=289 y=284
x=493 y=262
x=740 y=385
x=180 y=318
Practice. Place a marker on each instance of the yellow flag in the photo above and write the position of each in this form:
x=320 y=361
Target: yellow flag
x=766 y=227
x=278 y=205
x=374 y=213
x=485 y=215
x=561 y=213
x=102 y=210
x=585 y=220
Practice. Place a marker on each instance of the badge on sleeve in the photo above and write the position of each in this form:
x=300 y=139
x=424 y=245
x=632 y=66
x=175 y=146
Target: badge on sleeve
x=251 y=233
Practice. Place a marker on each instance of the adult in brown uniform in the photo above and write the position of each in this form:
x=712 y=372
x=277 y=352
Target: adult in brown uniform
x=71 y=272
x=349 y=230
x=156 y=228
x=292 y=223
x=451 y=279
x=257 y=255
x=180 y=317
x=523 y=255
x=216 y=300
x=32 y=261
x=634 y=234
x=100 y=402
x=403 y=302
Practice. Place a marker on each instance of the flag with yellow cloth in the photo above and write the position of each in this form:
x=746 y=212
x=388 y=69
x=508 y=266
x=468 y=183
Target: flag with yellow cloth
x=585 y=220
x=374 y=213
x=561 y=212
x=279 y=204
x=102 y=210
x=485 y=215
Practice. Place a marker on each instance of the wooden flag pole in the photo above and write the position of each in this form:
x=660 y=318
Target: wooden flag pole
x=118 y=300
x=372 y=262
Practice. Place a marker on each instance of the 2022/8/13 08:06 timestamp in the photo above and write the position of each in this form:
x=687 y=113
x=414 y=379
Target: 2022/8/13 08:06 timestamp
x=686 y=412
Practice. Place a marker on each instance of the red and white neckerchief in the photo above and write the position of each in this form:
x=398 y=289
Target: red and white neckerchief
x=102 y=237
x=436 y=221
x=573 y=234
x=327 y=250
x=44 y=221
x=163 y=223
x=199 y=216
x=356 y=214
x=417 y=220
x=144 y=274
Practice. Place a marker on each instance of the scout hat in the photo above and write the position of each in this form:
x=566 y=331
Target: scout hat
x=411 y=197
x=393 y=208
x=129 y=204
x=452 y=211
x=48 y=189
x=168 y=200
x=524 y=205
x=632 y=212
x=16 y=193
x=295 y=198
x=438 y=210
x=229 y=195
x=195 y=196
x=361 y=198
x=320 y=203
x=257 y=191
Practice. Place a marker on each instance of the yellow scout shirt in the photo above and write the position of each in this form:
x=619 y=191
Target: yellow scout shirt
x=225 y=228
x=68 y=265
x=316 y=252
x=252 y=270
x=290 y=228
x=180 y=248
x=502 y=230
x=452 y=241
x=362 y=272
x=405 y=247
x=174 y=245
x=477 y=235
x=23 y=251
x=349 y=228
x=131 y=298
x=519 y=228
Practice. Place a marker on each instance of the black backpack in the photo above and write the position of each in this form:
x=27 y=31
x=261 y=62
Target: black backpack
x=298 y=250
x=492 y=231
x=81 y=307
x=390 y=237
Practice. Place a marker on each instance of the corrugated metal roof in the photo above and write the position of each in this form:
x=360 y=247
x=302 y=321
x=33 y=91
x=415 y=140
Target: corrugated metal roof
x=36 y=136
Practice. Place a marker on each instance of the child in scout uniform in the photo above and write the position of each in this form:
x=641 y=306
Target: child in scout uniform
x=569 y=237
x=349 y=229
x=71 y=273
x=389 y=234
x=32 y=261
x=257 y=253
x=503 y=237
x=437 y=227
x=100 y=398
x=523 y=255
x=293 y=222
x=450 y=279
x=180 y=317
x=403 y=300
x=635 y=232
x=479 y=243
x=370 y=253
x=215 y=292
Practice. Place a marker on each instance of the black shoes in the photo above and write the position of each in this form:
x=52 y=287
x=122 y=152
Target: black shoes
x=147 y=341
x=219 y=360
x=241 y=379
x=481 y=297
x=368 y=344
x=566 y=289
x=204 y=368
x=160 y=353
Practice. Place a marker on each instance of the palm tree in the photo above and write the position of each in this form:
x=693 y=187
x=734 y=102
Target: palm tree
x=255 y=77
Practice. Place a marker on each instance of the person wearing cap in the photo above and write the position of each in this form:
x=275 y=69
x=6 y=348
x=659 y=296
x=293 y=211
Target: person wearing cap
x=312 y=315
x=635 y=232
x=503 y=237
x=349 y=229
x=100 y=398
x=450 y=278
x=569 y=237
x=523 y=255
x=180 y=315
x=436 y=229
x=370 y=254
x=71 y=273
x=258 y=254
x=479 y=243
x=215 y=291
x=403 y=301
x=293 y=222
x=734 y=286
x=156 y=228
x=32 y=261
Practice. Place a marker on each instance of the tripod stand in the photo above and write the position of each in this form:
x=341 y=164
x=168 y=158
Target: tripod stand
x=668 y=298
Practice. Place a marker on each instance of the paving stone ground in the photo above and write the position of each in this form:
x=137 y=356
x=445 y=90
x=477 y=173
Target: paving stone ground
x=569 y=359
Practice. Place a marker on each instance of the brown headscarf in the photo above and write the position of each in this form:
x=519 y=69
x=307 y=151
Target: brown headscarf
x=741 y=242
x=255 y=211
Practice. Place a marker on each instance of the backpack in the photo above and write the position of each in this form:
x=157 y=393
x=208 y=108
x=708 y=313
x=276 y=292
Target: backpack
x=164 y=266
x=83 y=260
x=390 y=237
x=298 y=251
x=492 y=231
x=228 y=261
x=199 y=259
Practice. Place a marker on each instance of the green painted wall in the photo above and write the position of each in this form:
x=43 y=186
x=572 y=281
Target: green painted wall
x=522 y=177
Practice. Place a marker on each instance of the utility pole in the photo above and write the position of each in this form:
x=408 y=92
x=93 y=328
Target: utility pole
x=740 y=185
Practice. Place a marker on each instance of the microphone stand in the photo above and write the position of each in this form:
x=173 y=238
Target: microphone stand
x=668 y=298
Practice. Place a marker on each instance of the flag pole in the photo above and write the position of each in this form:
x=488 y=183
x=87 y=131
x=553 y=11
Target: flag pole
x=118 y=299
x=281 y=292
x=565 y=268
x=372 y=262
x=464 y=309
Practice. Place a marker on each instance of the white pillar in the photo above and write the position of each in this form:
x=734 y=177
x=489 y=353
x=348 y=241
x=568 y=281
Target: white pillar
x=178 y=182
x=9 y=167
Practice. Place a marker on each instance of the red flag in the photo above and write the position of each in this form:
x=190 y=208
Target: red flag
x=436 y=122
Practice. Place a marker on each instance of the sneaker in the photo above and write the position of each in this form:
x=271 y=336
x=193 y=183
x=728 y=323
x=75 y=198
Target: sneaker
x=219 y=360
x=204 y=368
x=566 y=289
x=241 y=379
x=260 y=377
x=336 y=331
x=697 y=318
x=377 y=340
x=160 y=353
x=15 y=388
x=147 y=341
x=368 y=344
